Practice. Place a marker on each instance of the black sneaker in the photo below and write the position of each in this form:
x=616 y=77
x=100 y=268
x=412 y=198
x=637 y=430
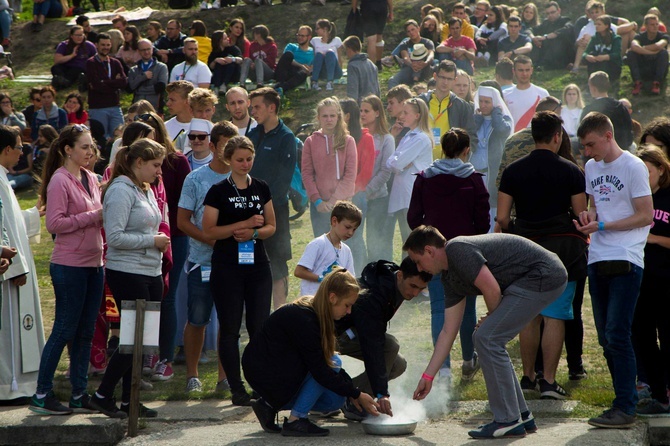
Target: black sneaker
x=351 y=413
x=241 y=398
x=614 y=418
x=49 y=405
x=266 y=416
x=82 y=404
x=107 y=406
x=576 y=375
x=653 y=408
x=528 y=386
x=145 y=412
x=302 y=427
x=551 y=391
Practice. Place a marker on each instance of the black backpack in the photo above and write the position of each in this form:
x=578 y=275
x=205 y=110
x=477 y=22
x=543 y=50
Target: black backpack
x=180 y=4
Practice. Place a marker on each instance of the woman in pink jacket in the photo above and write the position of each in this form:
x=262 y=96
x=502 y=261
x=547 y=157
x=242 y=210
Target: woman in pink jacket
x=329 y=164
x=74 y=215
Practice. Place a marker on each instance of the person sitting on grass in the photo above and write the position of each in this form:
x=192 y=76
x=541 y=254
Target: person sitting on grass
x=292 y=363
x=327 y=48
x=262 y=57
x=70 y=59
x=327 y=250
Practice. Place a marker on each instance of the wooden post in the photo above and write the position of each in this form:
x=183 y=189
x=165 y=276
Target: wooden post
x=133 y=418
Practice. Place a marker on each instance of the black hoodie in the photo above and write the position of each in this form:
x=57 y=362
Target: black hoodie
x=378 y=302
x=618 y=114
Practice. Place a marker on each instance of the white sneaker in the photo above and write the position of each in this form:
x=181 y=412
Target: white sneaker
x=193 y=385
x=204 y=5
x=216 y=4
x=315 y=86
x=329 y=86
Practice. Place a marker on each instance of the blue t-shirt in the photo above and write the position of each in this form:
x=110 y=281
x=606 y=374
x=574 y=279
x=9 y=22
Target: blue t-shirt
x=299 y=55
x=193 y=193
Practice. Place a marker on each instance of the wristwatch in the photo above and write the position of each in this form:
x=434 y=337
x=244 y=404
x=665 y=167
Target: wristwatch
x=255 y=236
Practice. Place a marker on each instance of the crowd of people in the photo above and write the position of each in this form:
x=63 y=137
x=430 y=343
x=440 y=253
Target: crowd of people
x=498 y=190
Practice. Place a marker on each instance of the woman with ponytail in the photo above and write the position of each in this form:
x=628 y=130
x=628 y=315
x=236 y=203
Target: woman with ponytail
x=134 y=243
x=450 y=196
x=74 y=215
x=292 y=362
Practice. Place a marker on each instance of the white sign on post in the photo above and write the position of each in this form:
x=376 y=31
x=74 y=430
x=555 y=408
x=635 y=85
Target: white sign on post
x=152 y=318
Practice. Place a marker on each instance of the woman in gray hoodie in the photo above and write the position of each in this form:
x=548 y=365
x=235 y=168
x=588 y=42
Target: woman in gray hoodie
x=131 y=218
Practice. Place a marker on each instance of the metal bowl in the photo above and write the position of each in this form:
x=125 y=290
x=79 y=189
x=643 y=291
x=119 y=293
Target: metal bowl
x=388 y=428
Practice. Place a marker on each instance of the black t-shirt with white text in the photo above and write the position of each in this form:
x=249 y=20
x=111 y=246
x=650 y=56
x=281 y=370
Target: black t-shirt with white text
x=237 y=205
x=656 y=257
x=542 y=185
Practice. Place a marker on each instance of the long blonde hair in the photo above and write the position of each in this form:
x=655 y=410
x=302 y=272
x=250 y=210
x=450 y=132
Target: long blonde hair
x=341 y=132
x=341 y=283
x=421 y=108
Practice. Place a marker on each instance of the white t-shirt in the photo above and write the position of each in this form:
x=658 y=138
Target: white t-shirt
x=590 y=29
x=322 y=47
x=242 y=131
x=571 y=119
x=195 y=74
x=522 y=104
x=318 y=256
x=180 y=141
x=613 y=187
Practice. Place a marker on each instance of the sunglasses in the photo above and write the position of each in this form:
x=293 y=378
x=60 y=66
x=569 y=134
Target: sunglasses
x=193 y=137
x=144 y=117
x=80 y=128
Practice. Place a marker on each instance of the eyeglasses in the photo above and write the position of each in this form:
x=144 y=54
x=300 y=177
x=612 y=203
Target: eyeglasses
x=144 y=117
x=192 y=137
x=445 y=78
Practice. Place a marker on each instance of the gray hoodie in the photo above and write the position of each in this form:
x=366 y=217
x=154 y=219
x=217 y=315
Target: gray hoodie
x=362 y=77
x=450 y=166
x=131 y=218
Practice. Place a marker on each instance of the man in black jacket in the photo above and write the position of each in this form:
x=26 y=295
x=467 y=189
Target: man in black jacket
x=362 y=334
x=599 y=85
x=553 y=41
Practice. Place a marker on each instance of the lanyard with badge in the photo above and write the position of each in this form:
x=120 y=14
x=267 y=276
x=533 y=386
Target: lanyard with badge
x=245 y=250
x=437 y=132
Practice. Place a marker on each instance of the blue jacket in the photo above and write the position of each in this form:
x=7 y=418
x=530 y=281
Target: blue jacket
x=275 y=159
x=501 y=129
x=57 y=119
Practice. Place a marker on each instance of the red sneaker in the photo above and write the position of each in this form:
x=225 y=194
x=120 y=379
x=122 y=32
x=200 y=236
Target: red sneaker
x=163 y=372
x=637 y=88
x=656 y=88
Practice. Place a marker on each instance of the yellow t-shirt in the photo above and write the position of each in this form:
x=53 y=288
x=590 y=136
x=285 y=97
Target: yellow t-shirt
x=204 y=48
x=439 y=122
x=466 y=30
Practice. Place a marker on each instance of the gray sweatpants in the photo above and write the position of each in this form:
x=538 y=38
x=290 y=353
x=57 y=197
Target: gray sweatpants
x=517 y=308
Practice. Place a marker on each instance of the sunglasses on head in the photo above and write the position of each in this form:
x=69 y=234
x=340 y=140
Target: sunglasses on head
x=80 y=128
x=144 y=117
x=192 y=137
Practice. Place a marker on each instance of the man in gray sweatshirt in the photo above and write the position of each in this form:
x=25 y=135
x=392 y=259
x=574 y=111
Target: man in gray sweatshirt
x=362 y=78
x=148 y=78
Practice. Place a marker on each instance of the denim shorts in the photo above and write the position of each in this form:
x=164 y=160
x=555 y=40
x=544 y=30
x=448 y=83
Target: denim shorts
x=561 y=308
x=200 y=302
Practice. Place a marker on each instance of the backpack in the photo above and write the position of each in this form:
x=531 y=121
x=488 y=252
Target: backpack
x=180 y=4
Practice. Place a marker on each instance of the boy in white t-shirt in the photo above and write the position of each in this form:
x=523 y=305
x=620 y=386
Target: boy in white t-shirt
x=328 y=250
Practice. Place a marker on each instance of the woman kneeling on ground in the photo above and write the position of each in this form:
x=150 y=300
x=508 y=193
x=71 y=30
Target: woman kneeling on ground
x=292 y=363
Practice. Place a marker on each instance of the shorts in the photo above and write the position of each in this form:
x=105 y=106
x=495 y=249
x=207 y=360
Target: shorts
x=374 y=18
x=561 y=308
x=200 y=300
x=278 y=247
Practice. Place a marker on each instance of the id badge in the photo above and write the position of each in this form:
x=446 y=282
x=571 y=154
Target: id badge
x=436 y=136
x=205 y=272
x=245 y=253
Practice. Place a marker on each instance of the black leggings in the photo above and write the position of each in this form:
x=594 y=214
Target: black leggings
x=650 y=328
x=234 y=289
x=287 y=75
x=127 y=286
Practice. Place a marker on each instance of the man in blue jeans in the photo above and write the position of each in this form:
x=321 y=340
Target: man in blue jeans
x=618 y=221
x=106 y=79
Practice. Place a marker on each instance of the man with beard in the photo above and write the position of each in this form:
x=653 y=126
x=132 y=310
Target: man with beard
x=105 y=78
x=237 y=104
x=192 y=70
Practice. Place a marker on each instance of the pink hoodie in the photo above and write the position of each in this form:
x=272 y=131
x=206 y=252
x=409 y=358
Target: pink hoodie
x=74 y=217
x=328 y=174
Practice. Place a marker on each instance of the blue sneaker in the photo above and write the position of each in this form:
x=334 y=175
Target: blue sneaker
x=528 y=421
x=494 y=429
